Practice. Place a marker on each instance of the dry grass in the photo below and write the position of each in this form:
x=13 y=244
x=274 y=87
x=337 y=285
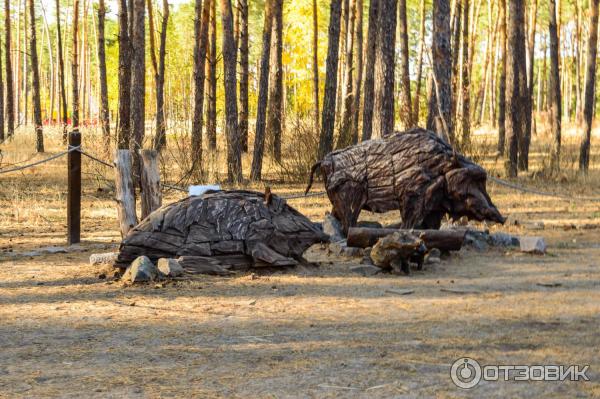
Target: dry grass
x=303 y=333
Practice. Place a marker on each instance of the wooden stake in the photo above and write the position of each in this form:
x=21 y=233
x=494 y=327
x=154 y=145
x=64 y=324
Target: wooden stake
x=74 y=190
x=125 y=195
x=151 y=195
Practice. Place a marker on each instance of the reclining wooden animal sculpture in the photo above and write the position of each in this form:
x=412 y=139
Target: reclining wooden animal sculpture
x=413 y=171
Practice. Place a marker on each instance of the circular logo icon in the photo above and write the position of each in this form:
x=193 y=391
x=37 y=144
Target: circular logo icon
x=465 y=373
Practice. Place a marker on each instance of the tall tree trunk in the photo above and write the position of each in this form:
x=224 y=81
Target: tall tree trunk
x=315 y=66
x=124 y=113
x=417 y=98
x=234 y=159
x=526 y=139
x=328 y=116
x=554 y=92
x=200 y=45
x=35 y=80
x=590 y=84
x=10 y=97
x=465 y=78
x=455 y=21
x=359 y=69
x=442 y=71
x=383 y=121
x=211 y=122
x=516 y=84
x=244 y=73
x=160 y=140
x=372 y=40
x=275 y=114
x=345 y=136
x=138 y=86
x=75 y=66
x=104 y=112
x=502 y=82
x=2 y=137
x=61 y=73
x=406 y=116
x=263 y=93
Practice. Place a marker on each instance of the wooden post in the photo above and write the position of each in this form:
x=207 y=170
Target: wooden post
x=74 y=190
x=151 y=194
x=125 y=195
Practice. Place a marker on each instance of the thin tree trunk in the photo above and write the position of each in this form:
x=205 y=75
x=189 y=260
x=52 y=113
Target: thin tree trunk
x=359 y=70
x=234 y=160
x=526 y=138
x=328 y=116
x=75 y=66
x=211 y=122
x=345 y=136
x=138 y=86
x=502 y=81
x=590 y=83
x=554 y=88
x=465 y=78
x=383 y=121
x=10 y=97
x=201 y=43
x=263 y=93
x=61 y=73
x=417 y=97
x=406 y=116
x=368 y=101
x=244 y=73
x=160 y=140
x=2 y=137
x=516 y=84
x=315 y=49
x=275 y=114
x=37 y=108
x=104 y=112
x=124 y=113
x=455 y=20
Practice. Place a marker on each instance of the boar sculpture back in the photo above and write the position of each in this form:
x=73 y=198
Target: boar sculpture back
x=415 y=172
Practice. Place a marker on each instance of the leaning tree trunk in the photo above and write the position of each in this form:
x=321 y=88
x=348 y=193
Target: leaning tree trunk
x=516 y=84
x=263 y=92
x=554 y=89
x=383 y=119
x=160 y=140
x=200 y=45
x=10 y=97
x=35 y=80
x=406 y=116
x=61 y=73
x=369 y=95
x=244 y=73
x=211 y=117
x=359 y=70
x=124 y=112
x=465 y=77
x=315 y=66
x=275 y=103
x=590 y=84
x=75 y=66
x=234 y=159
x=328 y=116
x=104 y=113
x=441 y=108
x=502 y=81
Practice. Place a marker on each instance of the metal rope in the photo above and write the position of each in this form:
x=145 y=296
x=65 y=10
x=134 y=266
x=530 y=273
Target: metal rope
x=538 y=192
x=60 y=154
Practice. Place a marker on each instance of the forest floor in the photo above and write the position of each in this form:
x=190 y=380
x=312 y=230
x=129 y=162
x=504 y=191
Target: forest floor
x=322 y=332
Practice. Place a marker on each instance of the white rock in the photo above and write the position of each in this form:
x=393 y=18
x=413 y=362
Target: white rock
x=199 y=190
x=170 y=267
x=105 y=258
x=333 y=228
x=533 y=245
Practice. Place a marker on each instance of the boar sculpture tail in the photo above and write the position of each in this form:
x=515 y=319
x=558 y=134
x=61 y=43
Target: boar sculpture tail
x=312 y=172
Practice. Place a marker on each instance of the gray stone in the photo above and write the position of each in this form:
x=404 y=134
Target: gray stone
x=170 y=267
x=340 y=248
x=142 y=269
x=533 y=245
x=105 y=258
x=54 y=250
x=477 y=239
x=433 y=256
x=365 y=270
x=333 y=228
x=500 y=239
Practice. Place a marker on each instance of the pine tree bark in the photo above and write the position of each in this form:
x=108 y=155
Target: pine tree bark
x=160 y=140
x=530 y=52
x=2 y=136
x=328 y=115
x=263 y=93
x=10 y=97
x=345 y=136
x=124 y=112
x=315 y=66
x=406 y=116
x=244 y=73
x=234 y=159
x=372 y=40
x=554 y=89
x=35 y=80
x=104 y=112
x=138 y=84
x=75 y=67
x=465 y=78
x=61 y=73
x=359 y=70
x=211 y=122
x=590 y=84
x=417 y=97
x=200 y=46
x=275 y=114
x=502 y=81
x=516 y=84
x=442 y=69
x=383 y=119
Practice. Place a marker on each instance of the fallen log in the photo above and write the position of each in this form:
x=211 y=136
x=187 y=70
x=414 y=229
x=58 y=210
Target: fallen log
x=445 y=240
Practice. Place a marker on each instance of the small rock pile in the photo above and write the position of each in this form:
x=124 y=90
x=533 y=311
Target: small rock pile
x=143 y=270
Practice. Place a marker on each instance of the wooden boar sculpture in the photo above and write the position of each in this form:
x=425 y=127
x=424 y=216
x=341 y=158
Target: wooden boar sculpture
x=414 y=171
x=231 y=228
